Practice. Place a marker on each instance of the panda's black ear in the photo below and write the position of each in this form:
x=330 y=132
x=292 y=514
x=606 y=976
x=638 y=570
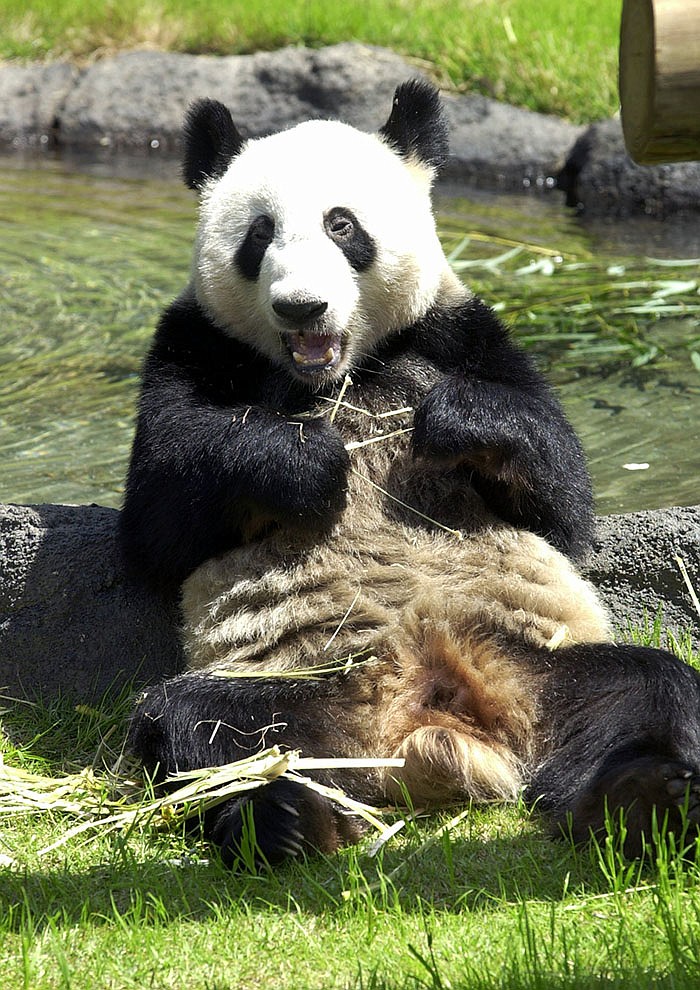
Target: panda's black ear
x=417 y=126
x=212 y=140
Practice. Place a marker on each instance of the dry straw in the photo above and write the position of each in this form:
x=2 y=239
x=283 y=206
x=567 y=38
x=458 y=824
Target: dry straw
x=106 y=802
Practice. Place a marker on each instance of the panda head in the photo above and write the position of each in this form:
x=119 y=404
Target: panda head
x=316 y=243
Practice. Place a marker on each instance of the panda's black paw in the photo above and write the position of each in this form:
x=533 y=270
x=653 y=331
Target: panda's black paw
x=437 y=426
x=654 y=793
x=279 y=821
x=681 y=786
x=669 y=786
x=314 y=482
x=449 y=430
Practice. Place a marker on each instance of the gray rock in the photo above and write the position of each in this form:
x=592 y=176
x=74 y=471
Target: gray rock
x=137 y=100
x=495 y=144
x=72 y=622
x=634 y=564
x=31 y=98
x=599 y=178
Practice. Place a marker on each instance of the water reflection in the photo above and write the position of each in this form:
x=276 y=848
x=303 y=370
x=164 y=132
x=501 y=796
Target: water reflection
x=88 y=258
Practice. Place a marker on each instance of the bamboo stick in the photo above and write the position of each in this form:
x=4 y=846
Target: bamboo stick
x=660 y=80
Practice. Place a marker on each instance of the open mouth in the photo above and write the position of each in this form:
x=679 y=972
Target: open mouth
x=313 y=352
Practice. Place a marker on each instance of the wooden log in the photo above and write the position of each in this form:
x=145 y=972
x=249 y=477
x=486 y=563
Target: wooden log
x=660 y=80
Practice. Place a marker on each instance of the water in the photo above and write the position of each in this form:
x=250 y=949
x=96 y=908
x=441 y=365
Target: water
x=86 y=264
x=88 y=260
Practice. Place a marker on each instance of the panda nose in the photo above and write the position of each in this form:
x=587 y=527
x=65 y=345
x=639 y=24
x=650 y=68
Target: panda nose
x=300 y=312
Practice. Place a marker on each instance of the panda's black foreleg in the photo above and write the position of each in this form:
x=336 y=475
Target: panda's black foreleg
x=195 y=721
x=280 y=820
x=494 y=412
x=623 y=724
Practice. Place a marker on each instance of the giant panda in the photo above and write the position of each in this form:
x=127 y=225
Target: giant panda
x=348 y=469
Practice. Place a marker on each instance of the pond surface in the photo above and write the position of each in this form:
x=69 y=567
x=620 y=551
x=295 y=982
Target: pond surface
x=88 y=260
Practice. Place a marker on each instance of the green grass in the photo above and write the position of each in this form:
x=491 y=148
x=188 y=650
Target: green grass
x=553 y=57
x=492 y=902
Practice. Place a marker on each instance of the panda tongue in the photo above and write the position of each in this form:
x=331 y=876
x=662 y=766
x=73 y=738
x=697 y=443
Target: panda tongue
x=314 y=349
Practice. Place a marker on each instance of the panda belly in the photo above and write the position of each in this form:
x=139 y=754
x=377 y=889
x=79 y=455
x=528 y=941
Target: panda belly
x=278 y=605
x=433 y=627
x=412 y=539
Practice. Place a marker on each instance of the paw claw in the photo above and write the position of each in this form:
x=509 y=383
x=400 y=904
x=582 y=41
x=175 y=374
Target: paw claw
x=682 y=785
x=289 y=849
x=677 y=787
x=671 y=771
x=289 y=821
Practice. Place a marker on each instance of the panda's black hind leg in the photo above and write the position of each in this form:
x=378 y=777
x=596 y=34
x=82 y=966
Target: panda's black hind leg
x=196 y=720
x=624 y=737
x=652 y=793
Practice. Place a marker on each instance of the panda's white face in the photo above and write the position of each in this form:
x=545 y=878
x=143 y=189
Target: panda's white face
x=317 y=243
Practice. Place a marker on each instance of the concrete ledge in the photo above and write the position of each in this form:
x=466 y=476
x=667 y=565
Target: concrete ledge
x=633 y=564
x=72 y=622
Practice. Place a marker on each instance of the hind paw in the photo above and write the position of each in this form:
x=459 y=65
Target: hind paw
x=682 y=788
x=645 y=789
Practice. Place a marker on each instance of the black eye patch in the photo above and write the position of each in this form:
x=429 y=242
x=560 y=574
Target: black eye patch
x=345 y=230
x=250 y=254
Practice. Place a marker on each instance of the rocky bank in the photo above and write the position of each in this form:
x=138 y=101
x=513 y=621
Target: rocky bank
x=134 y=103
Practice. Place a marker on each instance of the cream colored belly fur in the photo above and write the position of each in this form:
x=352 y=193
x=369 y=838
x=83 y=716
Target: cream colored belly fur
x=277 y=607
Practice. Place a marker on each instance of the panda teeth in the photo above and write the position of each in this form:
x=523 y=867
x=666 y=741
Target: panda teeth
x=323 y=360
x=312 y=351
